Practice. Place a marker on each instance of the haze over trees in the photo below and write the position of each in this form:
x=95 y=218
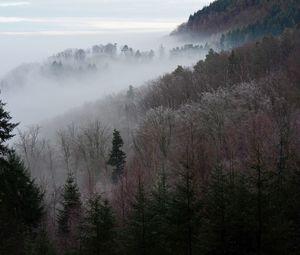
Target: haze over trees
x=202 y=160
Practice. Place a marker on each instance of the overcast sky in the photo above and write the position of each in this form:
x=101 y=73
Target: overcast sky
x=92 y=16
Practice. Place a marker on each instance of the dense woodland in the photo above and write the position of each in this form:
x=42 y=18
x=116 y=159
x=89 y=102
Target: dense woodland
x=241 y=21
x=203 y=160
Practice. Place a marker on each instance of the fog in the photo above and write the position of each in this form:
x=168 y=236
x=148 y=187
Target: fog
x=33 y=95
x=27 y=48
x=32 y=31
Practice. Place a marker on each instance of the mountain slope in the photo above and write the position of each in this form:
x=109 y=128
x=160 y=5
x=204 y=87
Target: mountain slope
x=246 y=20
x=229 y=126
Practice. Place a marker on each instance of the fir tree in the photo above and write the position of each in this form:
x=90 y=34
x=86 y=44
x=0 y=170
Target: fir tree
x=137 y=226
x=117 y=156
x=21 y=200
x=213 y=227
x=42 y=245
x=158 y=210
x=69 y=216
x=239 y=216
x=21 y=206
x=6 y=128
x=97 y=228
x=184 y=214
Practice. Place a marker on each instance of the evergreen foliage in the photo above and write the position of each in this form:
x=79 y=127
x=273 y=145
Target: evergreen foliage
x=21 y=200
x=69 y=216
x=158 y=211
x=117 y=156
x=97 y=228
x=6 y=128
x=276 y=21
x=136 y=229
x=184 y=214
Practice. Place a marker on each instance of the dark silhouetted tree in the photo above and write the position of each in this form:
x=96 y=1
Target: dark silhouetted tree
x=184 y=214
x=21 y=206
x=69 y=215
x=6 y=128
x=97 y=228
x=137 y=225
x=117 y=156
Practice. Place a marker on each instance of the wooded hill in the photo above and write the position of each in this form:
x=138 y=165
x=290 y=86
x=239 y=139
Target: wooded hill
x=210 y=161
x=242 y=20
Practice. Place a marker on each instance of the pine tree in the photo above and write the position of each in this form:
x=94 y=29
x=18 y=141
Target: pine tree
x=184 y=216
x=158 y=210
x=97 y=228
x=69 y=216
x=228 y=221
x=42 y=245
x=21 y=206
x=239 y=216
x=213 y=227
x=137 y=225
x=117 y=156
x=6 y=128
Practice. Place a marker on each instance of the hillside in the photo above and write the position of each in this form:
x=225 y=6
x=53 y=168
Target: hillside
x=202 y=160
x=242 y=20
x=221 y=133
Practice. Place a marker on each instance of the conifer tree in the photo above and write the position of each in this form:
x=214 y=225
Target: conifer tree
x=184 y=214
x=158 y=210
x=21 y=206
x=6 y=128
x=239 y=216
x=117 y=156
x=69 y=216
x=97 y=228
x=42 y=245
x=213 y=227
x=21 y=201
x=137 y=225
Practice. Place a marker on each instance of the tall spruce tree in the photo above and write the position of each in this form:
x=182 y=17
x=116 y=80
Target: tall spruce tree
x=239 y=216
x=137 y=225
x=6 y=129
x=185 y=214
x=21 y=201
x=21 y=206
x=69 y=215
x=41 y=245
x=97 y=228
x=213 y=228
x=158 y=210
x=117 y=156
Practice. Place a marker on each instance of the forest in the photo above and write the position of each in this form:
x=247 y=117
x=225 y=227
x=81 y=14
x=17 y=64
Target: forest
x=203 y=160
x=241 y=21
